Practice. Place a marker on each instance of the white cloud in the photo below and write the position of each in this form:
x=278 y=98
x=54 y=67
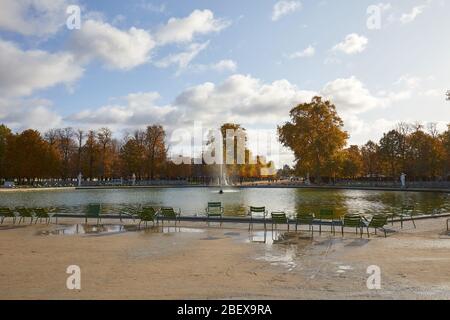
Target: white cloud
x=183 y=30
x=22 y=114
x=352 y=44
x=410 y=17
x=310 y=51
x=225 y=65
x=117 y=49
x=133 y=110
x=350 y=95
x=33 y=17
x=221 y=66
x=282 y=8
x=22 y=72
x=242 y=99
x=182 y=59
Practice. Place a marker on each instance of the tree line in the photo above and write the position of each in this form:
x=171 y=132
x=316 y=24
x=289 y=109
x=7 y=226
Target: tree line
x=316 y=136
x=63 y=153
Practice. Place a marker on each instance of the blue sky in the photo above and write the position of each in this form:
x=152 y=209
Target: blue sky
x=175 y=62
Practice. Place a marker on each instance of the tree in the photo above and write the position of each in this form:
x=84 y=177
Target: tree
x=104 y=137
x=5 y=136
x=391 y=151
x=156 y=152
x=30 y=156
x=91 y=152
x=370 y=159
x=315 y=134
x=352 y=162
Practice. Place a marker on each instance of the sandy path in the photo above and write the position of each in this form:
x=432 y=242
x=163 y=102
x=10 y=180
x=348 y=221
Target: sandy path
x=223 y=263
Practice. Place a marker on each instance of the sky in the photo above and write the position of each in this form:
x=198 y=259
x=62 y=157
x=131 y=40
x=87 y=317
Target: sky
x=176 y=63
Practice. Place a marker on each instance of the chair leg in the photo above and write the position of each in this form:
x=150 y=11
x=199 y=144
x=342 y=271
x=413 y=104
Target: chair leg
x=414 y=223
x=296 y=227
x=342 y=229
x=368 y=233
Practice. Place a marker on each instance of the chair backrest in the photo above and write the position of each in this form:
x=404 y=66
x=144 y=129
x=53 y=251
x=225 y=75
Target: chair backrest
x=327 y=214
x=24 y=212
x=352 y=220
x=378 y=221
x=214 y=207
x=407 y=209
x=40 y=212
x=305 y=218
x=147 y=213
x=94 y=209
x=6 y=212
x=279 y=217
x=257 y=211
x=168 y=212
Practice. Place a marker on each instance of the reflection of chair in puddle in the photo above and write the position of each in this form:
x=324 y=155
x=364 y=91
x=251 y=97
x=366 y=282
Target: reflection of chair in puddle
x=168 y=213
x=256 y=212
x=258 y=237
x=305 y=219
x=279 y=218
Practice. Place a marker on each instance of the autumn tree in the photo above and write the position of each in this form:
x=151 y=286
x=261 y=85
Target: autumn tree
x=104 y=138
x=352 y=162
x=5 y=135
x=315 y=134
x=156 y=151
x=370 y=159
x=91 y=154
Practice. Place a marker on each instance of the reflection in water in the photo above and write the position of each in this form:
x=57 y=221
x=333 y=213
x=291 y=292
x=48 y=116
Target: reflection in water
x=86 y=229
x=281 y=248
x=236 y=201
x=80 y=229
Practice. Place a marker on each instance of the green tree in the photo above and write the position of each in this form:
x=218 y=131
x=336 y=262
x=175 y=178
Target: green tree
x=315 y=134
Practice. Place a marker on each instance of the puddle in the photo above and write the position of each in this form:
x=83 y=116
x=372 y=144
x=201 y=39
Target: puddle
x=85 y=229
x=277 y=237
x=105 y=229
x=232 y=234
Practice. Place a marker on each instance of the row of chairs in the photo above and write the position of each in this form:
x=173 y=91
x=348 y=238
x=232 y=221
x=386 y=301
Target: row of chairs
x=215 y=212
x=326 y=216
x=22 y=213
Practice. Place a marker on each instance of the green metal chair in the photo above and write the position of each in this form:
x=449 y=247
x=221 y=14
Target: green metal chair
x=352 y=221
x=214 y=209
x=41 y=213
x=6 y=212
x=130 y=212
x=279 y=218
x=378 y=221
x=24 y=213
x=168 y=213
x=305 y=219
x=407 y=212
x=327 y=215
x=255 y=212
x=147 y=214
x=93 y=211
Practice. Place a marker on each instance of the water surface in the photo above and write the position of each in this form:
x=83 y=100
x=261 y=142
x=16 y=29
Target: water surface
x=193 y=201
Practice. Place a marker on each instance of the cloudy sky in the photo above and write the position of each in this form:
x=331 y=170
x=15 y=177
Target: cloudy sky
x=134 y=63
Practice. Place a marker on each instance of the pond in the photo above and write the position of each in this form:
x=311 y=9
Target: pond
x=193 y=201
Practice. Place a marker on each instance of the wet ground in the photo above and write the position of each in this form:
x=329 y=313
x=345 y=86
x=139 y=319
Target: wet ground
x=193 y=261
